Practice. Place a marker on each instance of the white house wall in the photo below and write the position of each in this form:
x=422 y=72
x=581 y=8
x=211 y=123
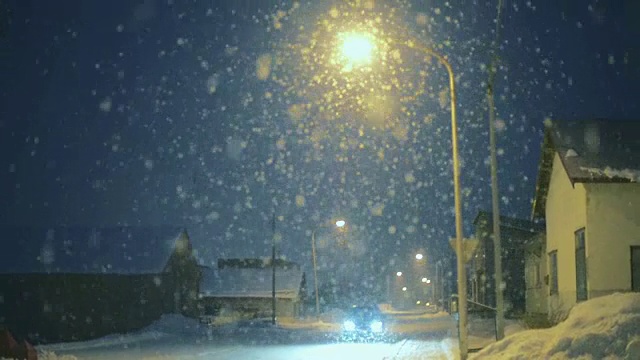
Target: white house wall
x=613 y=215
x=565 y=213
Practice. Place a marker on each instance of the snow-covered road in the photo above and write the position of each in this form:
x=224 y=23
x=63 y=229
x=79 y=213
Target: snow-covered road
x=404 y=349
x=412 y=337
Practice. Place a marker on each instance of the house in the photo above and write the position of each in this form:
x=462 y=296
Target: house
x=514 y=235
x=536 y=281
x=244 y=287
x=588 y=193
x=77 y=283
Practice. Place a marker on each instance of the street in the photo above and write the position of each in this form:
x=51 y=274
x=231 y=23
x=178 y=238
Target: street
x=410 y=337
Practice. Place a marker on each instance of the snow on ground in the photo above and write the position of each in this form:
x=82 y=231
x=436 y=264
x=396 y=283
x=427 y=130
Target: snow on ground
x=482 y=332
x=310 y=323
x=167 y=325
x=426 y=336
x=606 y=327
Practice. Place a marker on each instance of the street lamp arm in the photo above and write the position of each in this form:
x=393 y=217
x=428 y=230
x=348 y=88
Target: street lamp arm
x=430 y=51
x=462 y=278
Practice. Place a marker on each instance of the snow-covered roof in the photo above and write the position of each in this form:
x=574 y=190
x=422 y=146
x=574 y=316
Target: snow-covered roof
x=600 y=150
x=250 y=282
x=486 y=218
x=87 y=250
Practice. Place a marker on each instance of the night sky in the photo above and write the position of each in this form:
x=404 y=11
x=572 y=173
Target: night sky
x=207 y=115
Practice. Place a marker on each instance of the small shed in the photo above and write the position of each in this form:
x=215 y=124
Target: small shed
x=536 y=279
x=243 y=287
x=515 y=234
x=77 y=283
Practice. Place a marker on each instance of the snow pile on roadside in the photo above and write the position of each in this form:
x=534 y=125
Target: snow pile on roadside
x=176 y=324
x=604 y=327
x=106 y=341
x=170 y=324
x=482 y=331
x=50 y=355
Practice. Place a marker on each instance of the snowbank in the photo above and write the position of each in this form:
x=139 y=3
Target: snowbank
x=482 y=332
x=604 y=327
x=173 y=324
x=167 y=325
x=50 y=355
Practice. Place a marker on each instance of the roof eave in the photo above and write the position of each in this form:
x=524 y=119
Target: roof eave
x=544 y=176
x=602 y=180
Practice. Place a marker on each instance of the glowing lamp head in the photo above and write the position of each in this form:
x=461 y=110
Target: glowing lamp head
x=340 y=223
x=356 y=49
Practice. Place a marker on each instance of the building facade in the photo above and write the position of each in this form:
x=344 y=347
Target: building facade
x=588 y=194
x=535 y=275
x=71 y=283
x=515 y=234
x=243 y=288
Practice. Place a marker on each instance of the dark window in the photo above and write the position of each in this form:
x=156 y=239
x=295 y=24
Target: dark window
x=635 y=268
x=581 y=266
x=553 y=270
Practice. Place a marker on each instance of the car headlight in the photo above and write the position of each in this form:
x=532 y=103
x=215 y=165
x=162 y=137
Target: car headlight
x=376 y=326
x=349 y=325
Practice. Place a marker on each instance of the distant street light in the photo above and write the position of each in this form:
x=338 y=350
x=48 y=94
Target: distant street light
x=404 y=288
x=425 y=280
x=418 y=256
x=399 y=273
x=338 y=223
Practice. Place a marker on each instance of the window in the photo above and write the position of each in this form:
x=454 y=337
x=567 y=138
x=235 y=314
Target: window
x=581 y=266
x=553 y=271
x=635 y=268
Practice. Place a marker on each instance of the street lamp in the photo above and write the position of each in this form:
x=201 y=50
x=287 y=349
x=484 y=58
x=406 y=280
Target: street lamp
x=419 y=256
x=356 y=49
x=339 y=224
x=462 y=290
x=399 y=273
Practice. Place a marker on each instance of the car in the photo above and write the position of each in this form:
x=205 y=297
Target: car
x=363 y=323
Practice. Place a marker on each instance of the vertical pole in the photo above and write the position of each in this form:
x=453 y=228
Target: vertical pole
x=495 y=197
x=497 y=246
x=315 y=272
x=273 y=270
x=434 y=289
x=441 y=290
x=462 y=274
x=389 y=289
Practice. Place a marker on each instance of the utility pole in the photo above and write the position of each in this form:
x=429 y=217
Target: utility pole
x=495 y=197
x=273 y=269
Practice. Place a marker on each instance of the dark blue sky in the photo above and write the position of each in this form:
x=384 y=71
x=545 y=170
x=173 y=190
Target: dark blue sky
x=152 y=112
